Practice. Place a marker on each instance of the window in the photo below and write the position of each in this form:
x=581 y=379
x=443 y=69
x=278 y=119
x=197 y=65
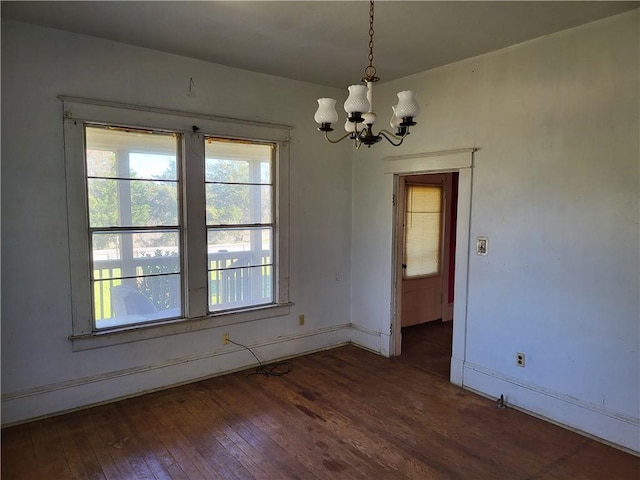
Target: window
x=171 y=222
x=423 y=230
x=134 y=225
x=240 y=227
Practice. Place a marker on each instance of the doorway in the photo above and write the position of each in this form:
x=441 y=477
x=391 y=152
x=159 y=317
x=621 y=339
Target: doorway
x=426 y=220
x=460 y=161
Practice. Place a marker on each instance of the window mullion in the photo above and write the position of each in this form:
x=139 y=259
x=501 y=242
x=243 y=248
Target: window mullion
x=194 y=221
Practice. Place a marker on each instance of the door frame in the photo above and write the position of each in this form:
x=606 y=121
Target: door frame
x=442 y=181
x=446 y=161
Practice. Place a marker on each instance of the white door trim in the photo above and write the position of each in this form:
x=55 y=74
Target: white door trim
x=460 y=161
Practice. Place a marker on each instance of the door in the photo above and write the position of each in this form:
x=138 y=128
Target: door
x=424 y=245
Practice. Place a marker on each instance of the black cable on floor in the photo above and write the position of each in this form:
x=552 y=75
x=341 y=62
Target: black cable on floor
x=276 y=370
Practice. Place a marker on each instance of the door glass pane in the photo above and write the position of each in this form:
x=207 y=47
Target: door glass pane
x=423 y=230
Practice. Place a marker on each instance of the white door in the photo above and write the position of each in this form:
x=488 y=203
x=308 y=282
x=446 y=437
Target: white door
x=423 y=249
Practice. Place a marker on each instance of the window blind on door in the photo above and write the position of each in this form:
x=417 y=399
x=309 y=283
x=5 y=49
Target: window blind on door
x=423 y=230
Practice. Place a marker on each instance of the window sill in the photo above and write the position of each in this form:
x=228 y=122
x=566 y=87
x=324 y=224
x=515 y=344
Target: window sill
x=175 y=327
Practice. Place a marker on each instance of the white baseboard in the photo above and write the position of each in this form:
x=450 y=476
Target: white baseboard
x=613 y=427
x=369 y=339
x=457 y=371
x=62 y=397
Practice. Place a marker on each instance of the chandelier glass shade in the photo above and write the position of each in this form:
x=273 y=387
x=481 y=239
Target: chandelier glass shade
x=359 y=109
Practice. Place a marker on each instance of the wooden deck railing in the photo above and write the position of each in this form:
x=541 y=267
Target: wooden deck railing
x=232 y=282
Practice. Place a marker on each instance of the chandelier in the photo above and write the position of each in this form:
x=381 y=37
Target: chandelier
x=359 y=108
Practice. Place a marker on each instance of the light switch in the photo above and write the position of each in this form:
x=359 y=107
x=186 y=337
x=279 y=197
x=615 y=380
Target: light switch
x=482 y=245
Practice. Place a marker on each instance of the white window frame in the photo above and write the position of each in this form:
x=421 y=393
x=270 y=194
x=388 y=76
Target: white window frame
x=193 y=128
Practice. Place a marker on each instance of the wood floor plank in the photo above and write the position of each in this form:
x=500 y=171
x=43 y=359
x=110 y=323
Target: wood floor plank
x=80 y=457
x=179 y=447
x=269 y=453
x=468 y=421
x=48 y=450
x=592 y=460
x=156 y=452
x=288 y=429
x=309 y=439
x=362 y=440
x=458 y=440
x=199 y=427
x=336 y=452
x=225 y=435
x=17 y=450
x=385 y=432
x=340 y=414
x=253 y=468
x=116 y=440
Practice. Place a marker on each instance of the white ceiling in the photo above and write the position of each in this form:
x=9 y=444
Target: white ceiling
x=323 y=42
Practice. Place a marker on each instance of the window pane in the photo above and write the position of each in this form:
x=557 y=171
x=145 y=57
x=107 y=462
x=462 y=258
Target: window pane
x=100 y=163
x=127 y=254
x=240 y=267
x=240 y=287
x=238 y=204
x=241 y=247
x=129 y=203
x=237 y=162
x=130 y=154
x=423 y=233
x=133 y=281
x=136 y=300
x=152 y=166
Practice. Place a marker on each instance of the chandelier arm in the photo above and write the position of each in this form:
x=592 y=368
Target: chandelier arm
x=383 y=133
x=326 y=137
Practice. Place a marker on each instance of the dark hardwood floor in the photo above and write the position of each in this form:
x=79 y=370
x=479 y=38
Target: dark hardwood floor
x=428 y=346
x=343 y=413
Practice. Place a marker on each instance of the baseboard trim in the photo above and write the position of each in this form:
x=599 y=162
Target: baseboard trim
x=367 y=339
x=594 y=420
x=456 y=375
x=16 y=405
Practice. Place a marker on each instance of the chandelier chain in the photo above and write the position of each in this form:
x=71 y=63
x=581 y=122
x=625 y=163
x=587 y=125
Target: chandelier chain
x=370 y=70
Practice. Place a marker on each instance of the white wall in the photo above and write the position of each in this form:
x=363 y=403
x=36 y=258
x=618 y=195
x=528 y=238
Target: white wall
x=555 y=188
x=40 y=372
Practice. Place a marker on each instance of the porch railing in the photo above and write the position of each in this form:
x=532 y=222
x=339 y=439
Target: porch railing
x=232 y=282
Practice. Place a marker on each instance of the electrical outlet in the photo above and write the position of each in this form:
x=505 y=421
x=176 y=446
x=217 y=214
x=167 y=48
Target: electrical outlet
x=301 y=319
x=225 y=339
x=520 y=359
